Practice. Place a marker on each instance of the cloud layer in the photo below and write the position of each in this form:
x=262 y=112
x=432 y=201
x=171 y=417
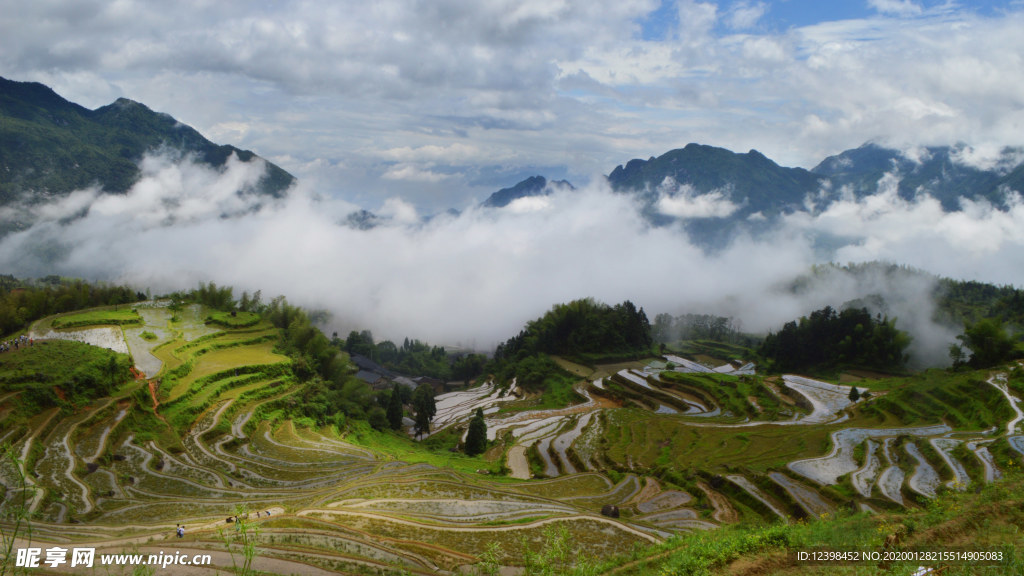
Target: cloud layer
x=443 y=102
x=475 y=278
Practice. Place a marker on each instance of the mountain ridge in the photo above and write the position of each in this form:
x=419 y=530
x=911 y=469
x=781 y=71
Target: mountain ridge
x=50 y=146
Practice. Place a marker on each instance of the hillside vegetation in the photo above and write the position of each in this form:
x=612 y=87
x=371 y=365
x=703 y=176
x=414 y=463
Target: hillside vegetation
x=52 y=146
x=601 y=457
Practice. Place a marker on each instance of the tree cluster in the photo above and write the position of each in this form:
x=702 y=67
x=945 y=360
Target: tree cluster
x=988 y=342
x=668 y=329
x=24 y=301
x=415 y=357
x=331 y=392
x=582 y=328
x=969 y=301
x=827 y=339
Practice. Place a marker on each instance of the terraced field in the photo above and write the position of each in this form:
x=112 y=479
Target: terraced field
x=673 y=451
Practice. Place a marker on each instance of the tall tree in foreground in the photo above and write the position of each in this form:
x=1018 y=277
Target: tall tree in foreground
x=395 y=408
x=423 y=404
x=476 y=437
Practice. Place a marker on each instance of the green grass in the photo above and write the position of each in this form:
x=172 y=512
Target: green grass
x=49 y=369
x=732 y=393
x=233 y=320
x=227 y=359
x=641 y=438
x=962 y=399
x=118 y=317
x=720 y=351
x=434 y=451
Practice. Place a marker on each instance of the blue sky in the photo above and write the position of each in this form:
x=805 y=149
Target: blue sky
x=441 y=103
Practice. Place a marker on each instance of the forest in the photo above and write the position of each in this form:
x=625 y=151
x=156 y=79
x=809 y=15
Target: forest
x=583 y=330
x=826 y=340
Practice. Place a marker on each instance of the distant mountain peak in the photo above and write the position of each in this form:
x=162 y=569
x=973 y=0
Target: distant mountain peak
x=532 y=186
x=51 y=147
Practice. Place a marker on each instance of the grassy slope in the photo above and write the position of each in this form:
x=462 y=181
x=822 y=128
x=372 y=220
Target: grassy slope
x=97 y=317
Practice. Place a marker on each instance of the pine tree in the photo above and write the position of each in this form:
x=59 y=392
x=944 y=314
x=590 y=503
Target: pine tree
x=476 y=437
x=395 y=408
x=423 y=403
x=854 y=394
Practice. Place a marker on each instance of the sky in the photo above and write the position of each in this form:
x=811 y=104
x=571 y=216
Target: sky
x=410 y=108
x=440 y=103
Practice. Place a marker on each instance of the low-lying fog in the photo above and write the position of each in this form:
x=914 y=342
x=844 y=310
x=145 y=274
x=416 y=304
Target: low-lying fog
x=474 y=279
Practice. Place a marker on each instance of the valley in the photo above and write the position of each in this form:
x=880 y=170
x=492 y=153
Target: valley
x=656 y=450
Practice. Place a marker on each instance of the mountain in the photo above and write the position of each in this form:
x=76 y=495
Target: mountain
x=50 y=147
x=532 y=186
x=714 y=193
x=943 y=172
x=750 y=180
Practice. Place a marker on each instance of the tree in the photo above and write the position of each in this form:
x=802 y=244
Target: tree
x=957 y=355
x=988 y=341
x=423 y=404
x=854 y=394
x=395 y=408
x=246 y=537
x=377 y=418
x=476 y=437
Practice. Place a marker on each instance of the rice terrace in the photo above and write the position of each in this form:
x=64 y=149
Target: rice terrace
x=243 y=423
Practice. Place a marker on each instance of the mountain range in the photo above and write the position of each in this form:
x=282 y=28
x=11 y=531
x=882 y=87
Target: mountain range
x=755 y=184
x=50 y=147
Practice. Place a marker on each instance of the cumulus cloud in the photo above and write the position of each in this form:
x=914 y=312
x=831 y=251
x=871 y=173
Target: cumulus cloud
x=450 y=86
x=476 y=277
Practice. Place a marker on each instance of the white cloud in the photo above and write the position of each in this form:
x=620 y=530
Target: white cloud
x=412 y=173
x=449 y=86
x=684 y=202
x=476 y=278
x=529 y=204
x=744 y=15
x=898 y=7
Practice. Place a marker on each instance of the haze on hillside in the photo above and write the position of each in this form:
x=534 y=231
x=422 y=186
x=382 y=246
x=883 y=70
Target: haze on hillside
x=415 y=109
